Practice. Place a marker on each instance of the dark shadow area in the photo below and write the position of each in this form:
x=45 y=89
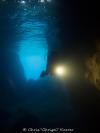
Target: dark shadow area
x=27 y=121
x=12 y=81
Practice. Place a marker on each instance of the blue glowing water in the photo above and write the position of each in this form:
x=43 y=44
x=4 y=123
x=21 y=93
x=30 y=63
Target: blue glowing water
x=33 y=51
x=33 y=46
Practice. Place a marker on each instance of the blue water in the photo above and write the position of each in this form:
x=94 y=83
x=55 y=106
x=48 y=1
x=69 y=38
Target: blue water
x=33 y=49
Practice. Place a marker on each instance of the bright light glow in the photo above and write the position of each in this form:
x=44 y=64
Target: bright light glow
x=61 y=71
x=23 y=2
